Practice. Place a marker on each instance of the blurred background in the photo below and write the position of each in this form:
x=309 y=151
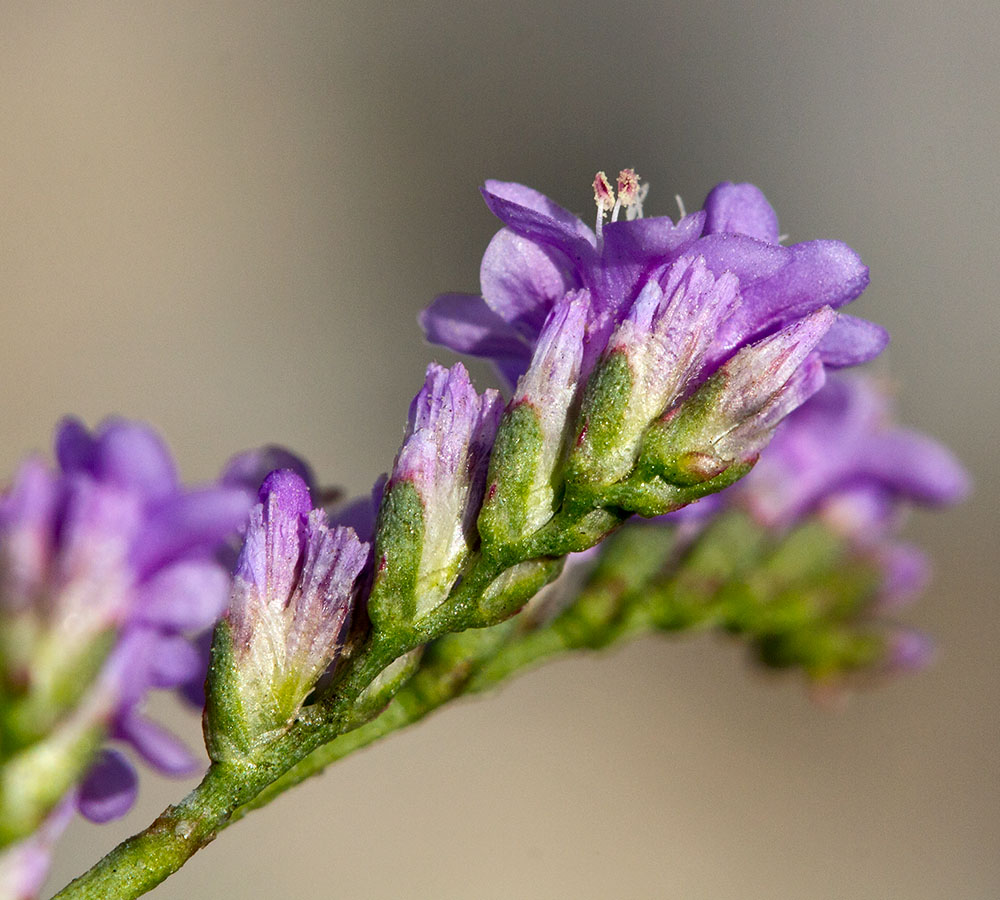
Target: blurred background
x=224 y=217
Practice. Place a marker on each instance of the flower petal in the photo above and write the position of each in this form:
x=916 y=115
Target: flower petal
x=634 y=252
x=109 y=788
x=535 y=216
x=188 y=523
x=175 y=662
x=521 y=281
x=133 y=457
x=187 y=596
x=740 y=209
x=249 y=469
x=156 y=745
x=916 y=467
x=74 y=446
x=465 y=324
x=851 y=341
x=781 y=284
x=906 y=573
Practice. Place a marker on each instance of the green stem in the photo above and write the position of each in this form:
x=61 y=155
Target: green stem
x=143 y=861
x=140 y=863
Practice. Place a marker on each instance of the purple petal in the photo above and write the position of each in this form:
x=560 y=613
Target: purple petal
x=852 y=341
x=448 y=421
x=249 y=469
x=552 y=380
x=174 y=663
x=158 y=747
x=465 y=324
x=635 y=252
x=644 y=241
x=534 y=216
x=134 y=457
x=908 y=651
x=192 y=524
x=109 y=788
x=269 y=561
x=781 y=284
x=333 y=559
x=906 y=573
x=740 y=209
x=128 y=669
x=187 y=596
x=522 y=280
x=74 y=446
x=917 y=467
x=861 y=509
x=288 y=491
x=27 y=514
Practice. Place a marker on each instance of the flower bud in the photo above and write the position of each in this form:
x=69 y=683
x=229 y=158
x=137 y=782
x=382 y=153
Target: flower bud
x=525 y=468
x=426 y=525
x=292 y=599
x=729 y=419
x=652 y=360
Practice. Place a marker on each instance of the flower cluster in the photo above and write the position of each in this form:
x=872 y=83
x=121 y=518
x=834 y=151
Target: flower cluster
x=839 y=466
x=648 y=356
x=841 y=460
x=651 y=364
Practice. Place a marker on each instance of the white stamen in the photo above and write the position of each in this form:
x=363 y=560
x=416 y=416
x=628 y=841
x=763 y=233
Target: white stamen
x=635 y=210
x=680 y=205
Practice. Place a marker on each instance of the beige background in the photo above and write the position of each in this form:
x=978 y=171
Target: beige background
x=224 y=217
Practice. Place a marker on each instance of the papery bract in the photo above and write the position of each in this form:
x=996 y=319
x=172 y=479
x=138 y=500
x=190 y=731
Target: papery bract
x=292 y=599
x=429 y=508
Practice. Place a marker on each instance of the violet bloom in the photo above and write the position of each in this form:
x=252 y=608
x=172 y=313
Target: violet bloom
x=109 y=547
x=545 y=252
x=839 y=455
x=292 y=599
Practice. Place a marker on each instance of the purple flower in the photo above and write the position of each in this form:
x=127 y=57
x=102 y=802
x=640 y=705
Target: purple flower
x=545 y=252
x=291 y=603
x=109 y=550
x=840 y=456
x=249 y=469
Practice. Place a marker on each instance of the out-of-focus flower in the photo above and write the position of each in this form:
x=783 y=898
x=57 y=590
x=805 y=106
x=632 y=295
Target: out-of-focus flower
x=107 y=565
x=839 y=461
x=292 y=600
x=841 y=456
x=24 y=866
